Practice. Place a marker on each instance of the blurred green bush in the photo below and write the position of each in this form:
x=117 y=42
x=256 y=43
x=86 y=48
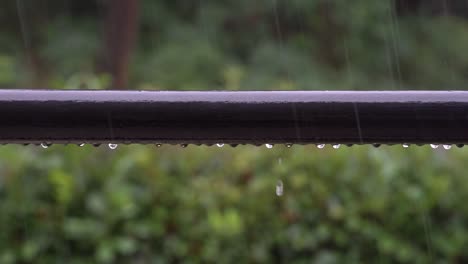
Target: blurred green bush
x=143 y=204
x=206 y=204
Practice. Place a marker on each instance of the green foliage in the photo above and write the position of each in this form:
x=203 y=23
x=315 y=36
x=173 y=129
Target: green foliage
x=143 y=204
x=208 y=204
x=7 y=67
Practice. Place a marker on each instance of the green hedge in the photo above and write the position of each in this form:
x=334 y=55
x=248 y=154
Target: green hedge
x=209 y=204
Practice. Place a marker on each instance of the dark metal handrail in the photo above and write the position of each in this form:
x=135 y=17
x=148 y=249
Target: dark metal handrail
x=297 y=117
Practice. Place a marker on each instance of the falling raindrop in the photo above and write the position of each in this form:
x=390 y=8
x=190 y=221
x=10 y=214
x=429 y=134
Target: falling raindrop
x=320 y=146
x=405 y=145
x=220 y=145
x=269 y=146
x=112 y=146
x=45 y=145
x=336 y=146
x=434 y=146
x=279 y=188
x=447 y=146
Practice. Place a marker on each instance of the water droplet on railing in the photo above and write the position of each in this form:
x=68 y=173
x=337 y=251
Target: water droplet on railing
x=288 y=145
x=279 y=188
x=220 y=145
x=447 y=146
x=434 y=146
x=376 y=145
x=405 y=145
x=45 y=145
x=269 y=146
x=81 y=144
x=112 y=146
x=336 y=146
x=183 y=145
x=320 y=146
x=460 y=145
x=158 y=145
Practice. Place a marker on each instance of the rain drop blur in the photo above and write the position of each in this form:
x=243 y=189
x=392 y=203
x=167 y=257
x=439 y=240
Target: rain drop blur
x=279 y=188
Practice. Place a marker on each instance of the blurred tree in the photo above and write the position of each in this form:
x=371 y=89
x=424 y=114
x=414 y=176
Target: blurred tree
x=121 y=26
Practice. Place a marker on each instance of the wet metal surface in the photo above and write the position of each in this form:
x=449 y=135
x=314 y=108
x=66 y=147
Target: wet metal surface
x=299 y=117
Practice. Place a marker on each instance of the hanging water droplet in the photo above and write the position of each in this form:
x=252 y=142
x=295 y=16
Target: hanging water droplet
x=405 y=145
x=81 y=144
x=158 y=145
x=112 y=146
x=220 y=145
x=269 y=146
x=288 y=145
x=336 y=146
x=460 y=145
x=376 y=145
x=434 y=146
x=45 y=145
x=183 y=145
x=279 y=188
x=320 y=146
x=447 y=146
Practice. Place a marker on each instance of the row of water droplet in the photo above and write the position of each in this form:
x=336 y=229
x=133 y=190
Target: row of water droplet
x=111 y=145
x=220 y=145
x=279 y=188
